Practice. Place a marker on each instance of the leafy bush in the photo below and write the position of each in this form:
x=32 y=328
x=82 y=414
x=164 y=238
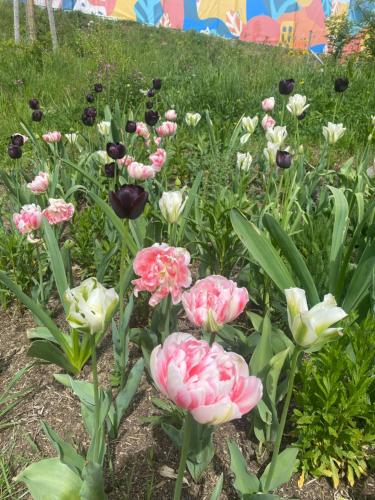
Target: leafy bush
x=338 y=33
x=334 y=417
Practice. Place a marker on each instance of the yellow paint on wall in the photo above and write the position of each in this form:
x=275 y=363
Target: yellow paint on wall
x=124 y=9
x=219 y=8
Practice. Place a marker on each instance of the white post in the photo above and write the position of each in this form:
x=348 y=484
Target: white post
x=52 y=25
x=16 y=21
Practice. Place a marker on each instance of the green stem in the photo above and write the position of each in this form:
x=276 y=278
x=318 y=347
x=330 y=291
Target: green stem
x=283 y=112
x=212 y=338
x=280 y=430
x=122 y=311
x=166 y=311
x=40 y=269
x=96 y=398
x=183 y=457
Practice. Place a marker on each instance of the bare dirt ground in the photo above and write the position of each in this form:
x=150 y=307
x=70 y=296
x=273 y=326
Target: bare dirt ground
x=140 y=450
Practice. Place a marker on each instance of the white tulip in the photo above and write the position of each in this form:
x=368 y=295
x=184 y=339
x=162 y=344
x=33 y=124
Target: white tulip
x=270 y=153
x=104 y=127
x=172 y=204
x=333 y=132
x=192 y=119
x=276 y=135
x=297 y=104
x=91 y=306
x=103 y=157
x=71 y=138
x=312 y=328
x=244 y=161
x=249 y=124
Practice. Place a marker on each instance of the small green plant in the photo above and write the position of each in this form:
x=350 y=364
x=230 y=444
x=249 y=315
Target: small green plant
x=338 y=33
x=334 y=416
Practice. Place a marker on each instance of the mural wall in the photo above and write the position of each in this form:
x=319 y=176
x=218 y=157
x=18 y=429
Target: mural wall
x=292 y=23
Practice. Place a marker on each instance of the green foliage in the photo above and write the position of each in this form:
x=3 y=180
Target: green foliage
x=334 y=416
x=338 y=33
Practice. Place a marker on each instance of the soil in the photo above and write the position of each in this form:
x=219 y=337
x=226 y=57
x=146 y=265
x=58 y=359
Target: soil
x=141 y=451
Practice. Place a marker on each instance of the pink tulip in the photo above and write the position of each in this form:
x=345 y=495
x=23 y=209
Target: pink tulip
x=171 y=115
x=142 y=130
x=268 y=122
x=58 y=211
x=214 y=301
x=166 y=129
x=157 y=140
x=158 y=159
x=52 y=137
x=268 y=104
x=212 y=384
x=162 y=270
x=40 y=183
x=125 y=161
x=29 y=219
x=140 y=172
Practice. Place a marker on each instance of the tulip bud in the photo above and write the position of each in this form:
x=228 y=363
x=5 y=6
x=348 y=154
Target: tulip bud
x=244 y=161
x=172 y=204
x=91 y=112
x=17 y=140
x=91 y=306
x=109 y=169
x=130 y=127
x=341 y=84
x=286 y=86
x=151 y=93
x=192 y=119
x=156 y=83
x=88 y=120
x=37 y=115
x=151 y=117
x=115 y=150
x=129 y=201
x=71 y=138
x=34 y=104
x=149 y=104
x=283 y=159
x=98 y=87
x=90 y=98
x=15 y=152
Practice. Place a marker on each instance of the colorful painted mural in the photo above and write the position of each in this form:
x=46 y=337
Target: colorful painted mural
x=291 y=23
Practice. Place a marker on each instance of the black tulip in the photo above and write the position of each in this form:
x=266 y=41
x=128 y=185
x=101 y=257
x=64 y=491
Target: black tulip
x=286 y=86
x=17 y=140
x=90 y=98
x=151 y=117
x=34 y=104
x=109 y=169
x=156 y=83
x=302 y=116
x=115 y=150
x=14 y=151
x=130 y=127
x=341 y=84
x=283 y=159
x=37 y=115
x=149 y=104
x=129 y=201
x=151 y=93
x=90 y=112
x=98 y=87
x=88 y=120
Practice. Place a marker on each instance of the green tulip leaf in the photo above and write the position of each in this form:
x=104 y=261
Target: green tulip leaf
x=48 y=351
x=245 y=482
x=284 y=468
x=93 y=482
x=215 y=495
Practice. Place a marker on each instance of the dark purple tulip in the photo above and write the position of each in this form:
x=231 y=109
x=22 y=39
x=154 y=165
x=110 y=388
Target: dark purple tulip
x=37 y=115
x=341 y=84
x=149 y=104
x=286 y=86
x=151 y=117
x=156 y=83
x=34 y=104
x=17 y=140
x=90 y=98
x=129 y=201
x=98 y=87
x=88 y=120
x=302 y=116
x=90 y=112
x=14 y=151
x=116 y=150
x=283 y=159
x=130 y=127
x=151 y=93
x=109 y=169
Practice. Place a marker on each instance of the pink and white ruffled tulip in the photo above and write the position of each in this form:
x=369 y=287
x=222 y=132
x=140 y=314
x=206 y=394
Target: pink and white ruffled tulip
x=58 y=211
x=29 y=219
x=52 y=136
x=268 y=122
x=268 y=104
x=167 y=129
x=140 y=172
x=171 y=115
x=163 y=270
x=125 y=161
x=158 y=159
x=142 y=130
x=40 y=183
x=213 y=385
x=214 y=301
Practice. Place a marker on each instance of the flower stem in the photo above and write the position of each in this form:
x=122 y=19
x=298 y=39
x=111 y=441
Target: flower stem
x=280 y=430
x=166 y=312
x=96 y=398
x=183 y=457
x=212 y=338
x=122 y=334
